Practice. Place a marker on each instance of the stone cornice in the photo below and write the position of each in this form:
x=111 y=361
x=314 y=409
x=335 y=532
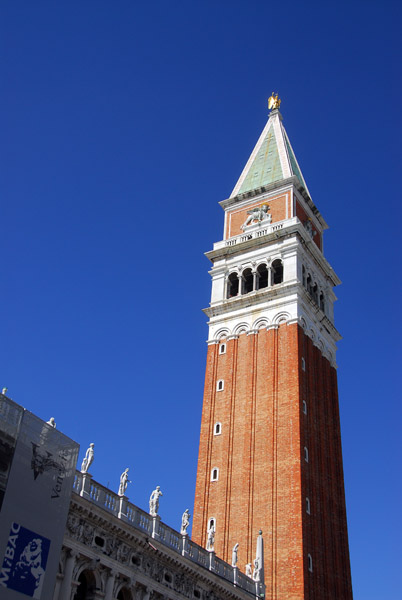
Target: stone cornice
x=254 y=300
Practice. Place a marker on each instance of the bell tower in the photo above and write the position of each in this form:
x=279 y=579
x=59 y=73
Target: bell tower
x=270 y=453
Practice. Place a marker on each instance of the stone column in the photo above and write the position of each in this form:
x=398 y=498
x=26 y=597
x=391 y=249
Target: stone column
x=255 y=281
x=211 y=560
x=155 y=526
x=86 y=486
x=235 y=575
x=110 y=585
x=59 y=579
x=147 y=594
x=184 y=544
x=270 y=278
x=65 y=588
x=122 y=508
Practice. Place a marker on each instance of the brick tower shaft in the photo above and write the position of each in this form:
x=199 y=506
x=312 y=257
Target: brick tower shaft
x=270 y=450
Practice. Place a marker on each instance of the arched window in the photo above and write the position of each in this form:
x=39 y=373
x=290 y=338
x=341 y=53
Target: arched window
x=247 y=281
x=215 y=474
x=314 y=293
x=86 y=585
x=322 y=302
x=232 y=285
x=305 y=454
x=217 y=428
x=309 y=283
x=262 y=277
x=308 y=506
x=220 y=385
x=310 y=563
x=222 y=348
x=124 y=593
x=277 y=272
x=304 y=276
x=212 y=523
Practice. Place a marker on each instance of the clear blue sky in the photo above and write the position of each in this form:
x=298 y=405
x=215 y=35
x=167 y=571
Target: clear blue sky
x=122 y=126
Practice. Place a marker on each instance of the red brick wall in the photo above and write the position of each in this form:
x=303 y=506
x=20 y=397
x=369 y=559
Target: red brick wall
x=301 y=214
x=263 y=478
x=325 y=529
x=277 y=208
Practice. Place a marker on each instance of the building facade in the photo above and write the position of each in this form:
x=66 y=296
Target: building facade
x=114 y=550
x=65 y=536
x=270 y=448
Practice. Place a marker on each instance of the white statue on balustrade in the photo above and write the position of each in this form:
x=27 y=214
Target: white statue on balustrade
x=211 y=538
x=88 y=459
x=154 y=501
x=51 y=422
x=124 y=481
x=257 y=570
x=249 y=570
x=185 y=522
x=234 y=555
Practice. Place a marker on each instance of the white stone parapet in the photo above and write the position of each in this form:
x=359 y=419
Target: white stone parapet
x=255 y=232
x=143 y=521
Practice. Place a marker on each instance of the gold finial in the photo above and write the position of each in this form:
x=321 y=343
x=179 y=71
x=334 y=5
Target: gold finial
x=274 y=101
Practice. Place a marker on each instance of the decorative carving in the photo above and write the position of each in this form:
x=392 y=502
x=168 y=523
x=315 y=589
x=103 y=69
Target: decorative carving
x=309 y=227
x=258 y=214
x=73 y=525
x=87 y=534
x=123 y=553
x=51 y=422
x=183 y=585
x=112 y=545
x=88 y=459
x=157 y=572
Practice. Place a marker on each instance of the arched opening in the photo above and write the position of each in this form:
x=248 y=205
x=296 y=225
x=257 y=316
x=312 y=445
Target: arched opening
x=217 y=429
x=247 y=281
x=277 y=272
x=124 y=594
x=309 y=283
x=262 y=277
x=304 y=276
x=222 y=349
x=232 y=286
x=215 y=474
x=314 y=293
x=86 y=586
x=322 y=302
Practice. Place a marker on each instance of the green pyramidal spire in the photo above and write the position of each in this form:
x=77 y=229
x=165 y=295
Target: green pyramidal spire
x=272 y=159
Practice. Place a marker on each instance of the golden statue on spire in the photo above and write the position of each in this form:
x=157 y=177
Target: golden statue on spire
x=274 y=101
